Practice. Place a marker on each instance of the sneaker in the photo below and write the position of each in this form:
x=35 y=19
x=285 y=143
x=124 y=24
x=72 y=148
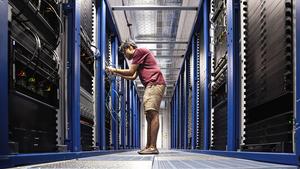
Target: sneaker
x=150 y=150
x=142 y=150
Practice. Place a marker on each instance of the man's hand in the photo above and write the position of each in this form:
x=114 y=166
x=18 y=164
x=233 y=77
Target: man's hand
x=110 y=70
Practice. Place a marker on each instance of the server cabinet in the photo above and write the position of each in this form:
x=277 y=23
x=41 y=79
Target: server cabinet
x=269 y=74
x=88 y=53
x=34 y=35
x=219 y=74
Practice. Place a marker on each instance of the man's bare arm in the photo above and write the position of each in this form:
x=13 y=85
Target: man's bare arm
x=128 y=77
x=125 y=72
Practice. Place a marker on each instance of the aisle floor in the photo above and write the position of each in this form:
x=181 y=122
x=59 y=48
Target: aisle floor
x=167 y=159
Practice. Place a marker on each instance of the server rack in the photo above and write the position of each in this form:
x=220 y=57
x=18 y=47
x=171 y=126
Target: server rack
x=33 y=76
x=58 y=81
x=269 y=76
x=219 y=82
x=249 y=48
x=87 y=57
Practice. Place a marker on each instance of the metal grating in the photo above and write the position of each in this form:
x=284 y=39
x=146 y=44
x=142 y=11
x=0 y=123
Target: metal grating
x=176 y=160
x=165 y=160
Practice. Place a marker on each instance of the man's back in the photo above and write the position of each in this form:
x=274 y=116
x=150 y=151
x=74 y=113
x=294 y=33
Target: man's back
x=149 y=72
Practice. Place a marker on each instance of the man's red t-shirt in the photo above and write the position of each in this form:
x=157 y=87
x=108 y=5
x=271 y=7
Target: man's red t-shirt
x=149 y=72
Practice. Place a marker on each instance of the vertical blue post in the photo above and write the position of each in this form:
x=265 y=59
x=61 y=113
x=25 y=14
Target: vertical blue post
x=194 y=94
x=100 y=74
x=186 y=116
x=297 y=32
x=123 y=112
x=207 y=79
x=233 y=91
x=179 y=111
x=114 y=95
x=103 y=54
x=174 y=119
x=128 y=114
x=172 y=123
x=133 y=116
x=140 y=122
x=136 y=120
x=177 y=117
x=4 y=78
x=74 y=75
x=129 y=133
x=182 y=109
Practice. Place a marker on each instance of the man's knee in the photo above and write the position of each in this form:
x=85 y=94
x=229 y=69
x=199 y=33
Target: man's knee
x=151 y=113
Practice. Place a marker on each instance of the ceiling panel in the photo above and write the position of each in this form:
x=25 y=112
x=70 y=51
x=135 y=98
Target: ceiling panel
x=163 y=26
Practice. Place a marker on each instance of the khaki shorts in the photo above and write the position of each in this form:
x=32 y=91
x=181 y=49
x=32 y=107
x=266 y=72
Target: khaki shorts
x=153 y=96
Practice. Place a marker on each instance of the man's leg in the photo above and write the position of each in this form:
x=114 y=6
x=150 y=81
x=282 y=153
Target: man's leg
x=148 y=118
x=154 y=127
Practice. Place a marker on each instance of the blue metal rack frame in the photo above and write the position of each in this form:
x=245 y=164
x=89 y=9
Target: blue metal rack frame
x=114 y=95
x=139 y=124
x=207 y=60
x=128 y=114
x=177 y=117
x=233 y=97
x=129 y=134
x=172 y=123
x=137 y=113
x=186 y=101
x=133 y=116
x=100 y=66
x=180 y=112
x=123 y=112
x=74 y=76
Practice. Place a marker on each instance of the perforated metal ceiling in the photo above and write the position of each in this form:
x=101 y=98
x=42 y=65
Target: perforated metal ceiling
x=165 y=32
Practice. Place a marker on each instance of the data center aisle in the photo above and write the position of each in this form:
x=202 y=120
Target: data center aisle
x=167 y=159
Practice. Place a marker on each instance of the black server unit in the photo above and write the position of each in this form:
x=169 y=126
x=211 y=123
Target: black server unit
x=34 y=34
x=200 y=90
x=86 y=74
x=219 y=87
x=269 y=75
x=108 y=85
x=189 y=82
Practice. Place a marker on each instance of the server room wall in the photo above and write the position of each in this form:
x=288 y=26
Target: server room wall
x=47 y=54
x=237 y=93
x=252 y=87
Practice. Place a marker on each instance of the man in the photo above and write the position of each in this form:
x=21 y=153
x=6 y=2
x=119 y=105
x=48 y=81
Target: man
x=144 y=65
